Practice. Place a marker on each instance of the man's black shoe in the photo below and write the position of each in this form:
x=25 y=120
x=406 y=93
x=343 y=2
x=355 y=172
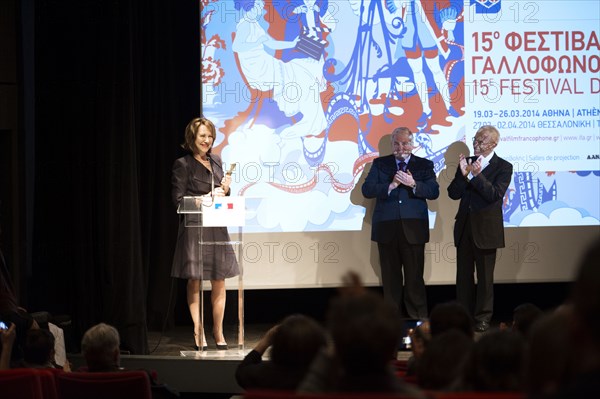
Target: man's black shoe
x=482 y=326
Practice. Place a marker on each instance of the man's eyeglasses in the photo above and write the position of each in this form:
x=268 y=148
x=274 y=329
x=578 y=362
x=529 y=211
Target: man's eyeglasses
x=479 y=143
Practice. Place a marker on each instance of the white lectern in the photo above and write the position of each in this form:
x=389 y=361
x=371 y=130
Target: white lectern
x=207 y=211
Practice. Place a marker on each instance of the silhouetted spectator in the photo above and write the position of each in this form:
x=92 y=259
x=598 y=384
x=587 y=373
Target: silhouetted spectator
x=585 y=328
x=39 y=349
x=365 y=333
x=450 y=315
x=524 y=316
x=497 y=363
x=100 y=348
x=441 y=365
x=551 y=359
x=294 y=343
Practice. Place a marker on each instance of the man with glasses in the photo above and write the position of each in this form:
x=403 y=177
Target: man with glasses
x=401 y=183
x=480 y=183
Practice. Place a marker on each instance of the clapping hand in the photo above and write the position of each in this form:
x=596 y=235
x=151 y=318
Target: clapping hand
x=476 y=166
x=465 y=166
x=468 y=166
x=405 y=178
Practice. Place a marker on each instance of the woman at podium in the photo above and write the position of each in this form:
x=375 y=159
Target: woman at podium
x=200 y=173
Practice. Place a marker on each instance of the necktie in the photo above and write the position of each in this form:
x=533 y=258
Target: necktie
x=402 y=166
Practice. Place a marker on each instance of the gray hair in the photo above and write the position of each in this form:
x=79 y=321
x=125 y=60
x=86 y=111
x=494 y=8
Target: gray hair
x=402 y=130
x=98 y=346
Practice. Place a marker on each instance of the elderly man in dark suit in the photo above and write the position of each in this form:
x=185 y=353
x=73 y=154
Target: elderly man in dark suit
x=480 y=183
x=401 y=183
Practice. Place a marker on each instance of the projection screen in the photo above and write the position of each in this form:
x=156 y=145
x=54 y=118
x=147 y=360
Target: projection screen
x=305 y=94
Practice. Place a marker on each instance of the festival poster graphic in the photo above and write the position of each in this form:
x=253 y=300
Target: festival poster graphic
x=303 y=92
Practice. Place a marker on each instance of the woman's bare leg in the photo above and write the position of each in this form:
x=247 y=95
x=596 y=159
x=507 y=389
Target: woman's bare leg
x=217 y=298
x=193 y=299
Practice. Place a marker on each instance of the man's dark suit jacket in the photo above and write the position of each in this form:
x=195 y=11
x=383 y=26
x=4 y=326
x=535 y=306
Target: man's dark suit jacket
x=401 y=205
x=482 y=199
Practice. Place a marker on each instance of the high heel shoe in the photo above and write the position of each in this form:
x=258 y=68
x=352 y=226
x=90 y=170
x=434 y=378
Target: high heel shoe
x=221 y=347
x=196 y=347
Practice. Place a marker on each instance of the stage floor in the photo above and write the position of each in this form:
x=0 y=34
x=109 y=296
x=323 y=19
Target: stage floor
x=210 y=373
x=179 y=341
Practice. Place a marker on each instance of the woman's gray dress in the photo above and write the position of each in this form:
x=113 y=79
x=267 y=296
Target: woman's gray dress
x=191 y=178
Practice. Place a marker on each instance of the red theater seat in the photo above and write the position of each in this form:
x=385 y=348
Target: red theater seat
x=480 y=395
x=113 y=385
x=48 y=382
x=292 y=395
x=21 y=384
x=266 y=394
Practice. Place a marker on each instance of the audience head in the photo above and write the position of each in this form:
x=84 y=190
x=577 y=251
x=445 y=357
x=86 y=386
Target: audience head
x=442 y=363
x=524 y=316
x=585 y=295
x=450 y=315
x=365 y=329
x=39 y=348
x=584 y=323
x=497 y=363
x=100 y=347
x=551 y=359
x=296 y=341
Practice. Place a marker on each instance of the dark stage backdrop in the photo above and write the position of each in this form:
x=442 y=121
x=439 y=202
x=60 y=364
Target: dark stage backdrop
x=115 y=84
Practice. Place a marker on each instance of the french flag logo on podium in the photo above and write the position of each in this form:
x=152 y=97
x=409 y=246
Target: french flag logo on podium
x=225 y=212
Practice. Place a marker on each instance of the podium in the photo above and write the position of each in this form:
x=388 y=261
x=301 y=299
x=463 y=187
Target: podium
x=207 y=211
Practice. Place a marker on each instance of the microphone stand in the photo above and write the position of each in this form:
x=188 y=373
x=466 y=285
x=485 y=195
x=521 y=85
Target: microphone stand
x=201 y=243
x=212 y=180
